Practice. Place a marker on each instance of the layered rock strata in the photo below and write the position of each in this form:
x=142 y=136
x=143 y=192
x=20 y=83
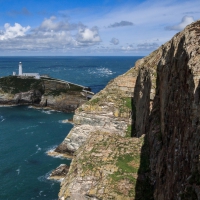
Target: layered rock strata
x=108 y=111
x=160 y=98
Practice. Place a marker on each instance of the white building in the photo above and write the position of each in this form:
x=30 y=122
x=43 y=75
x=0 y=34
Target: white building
x=36 y=75
x=20 y=69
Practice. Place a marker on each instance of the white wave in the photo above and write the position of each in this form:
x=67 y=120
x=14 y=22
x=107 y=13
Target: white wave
x=64 y=121
x=18 y=171
x=29 y=133
x=40 y=192
x=7 y=105
x=47 y=112
x=101 y=71
x=44 y=178
x=28 y=127
x=38 y=148
x=51 y=149
x=59 y=156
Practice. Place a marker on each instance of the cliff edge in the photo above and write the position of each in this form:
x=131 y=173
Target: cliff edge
x=139 y=137
x=45 y=92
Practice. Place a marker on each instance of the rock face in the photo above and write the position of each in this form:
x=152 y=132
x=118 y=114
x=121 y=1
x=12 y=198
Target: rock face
x=60 y=172
x=108 y=111
x=97 y=166
x=173 y=133
x=159 y=97
x=44 y=92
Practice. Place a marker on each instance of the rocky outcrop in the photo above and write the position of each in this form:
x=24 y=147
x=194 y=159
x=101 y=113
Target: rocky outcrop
x=44 y=92
x=160 y=98
x=108 y=111
x=98 y=164
x=59 y=173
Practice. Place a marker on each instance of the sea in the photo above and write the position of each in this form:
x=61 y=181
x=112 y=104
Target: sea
x=27 y=134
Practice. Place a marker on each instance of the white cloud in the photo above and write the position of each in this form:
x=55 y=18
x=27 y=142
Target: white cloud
x=88 y=36
x=114 y=41
x=69 y=34
x=53 y=24
x=51 y=35
x=186 y=20
x=11 y=32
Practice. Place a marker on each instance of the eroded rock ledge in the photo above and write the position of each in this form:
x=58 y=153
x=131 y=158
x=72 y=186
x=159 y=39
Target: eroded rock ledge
x=44 y=92
x=159 y=97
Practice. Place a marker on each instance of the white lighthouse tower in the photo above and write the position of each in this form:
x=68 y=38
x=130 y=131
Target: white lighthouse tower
x=20 y=69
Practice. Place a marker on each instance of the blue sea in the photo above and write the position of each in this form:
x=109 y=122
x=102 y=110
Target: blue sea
x=26 y=134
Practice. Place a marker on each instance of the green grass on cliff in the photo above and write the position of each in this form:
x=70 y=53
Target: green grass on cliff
x=126 y=169
x=128 y=102
x=69 y=89
x=13 y=84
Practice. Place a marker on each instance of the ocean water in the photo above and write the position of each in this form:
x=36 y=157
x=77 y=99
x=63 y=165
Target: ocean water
x=26 y=134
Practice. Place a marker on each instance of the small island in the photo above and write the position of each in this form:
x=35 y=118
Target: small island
x=42 y=91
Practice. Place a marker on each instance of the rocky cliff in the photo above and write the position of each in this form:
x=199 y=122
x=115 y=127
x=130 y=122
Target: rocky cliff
x=139 y=137
x=44 y=92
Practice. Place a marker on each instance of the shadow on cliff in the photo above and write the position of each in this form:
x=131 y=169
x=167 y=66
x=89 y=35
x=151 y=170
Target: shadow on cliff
x=143 y=189
x=140 y=124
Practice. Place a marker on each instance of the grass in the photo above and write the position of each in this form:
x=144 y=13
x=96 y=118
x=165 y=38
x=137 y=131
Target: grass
x=13 y=84
x=128 y=102
x=125 y=169
x=128 y=131
x=94 y=101
x=125 y=172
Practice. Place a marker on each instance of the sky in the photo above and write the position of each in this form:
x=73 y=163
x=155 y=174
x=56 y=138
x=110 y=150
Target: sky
x=91 y=27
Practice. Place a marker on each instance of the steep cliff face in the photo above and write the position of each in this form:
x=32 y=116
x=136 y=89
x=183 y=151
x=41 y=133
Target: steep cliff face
x=44 y=92
x=173 y=133
x=159 y=97
x=108 y=111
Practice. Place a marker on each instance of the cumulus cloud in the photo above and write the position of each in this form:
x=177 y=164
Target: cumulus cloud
x=11 y=32
x=51 y=35
x=88 y=36
x=53 y=24
x=120 y=24
x=114 y=41
x=186 y=20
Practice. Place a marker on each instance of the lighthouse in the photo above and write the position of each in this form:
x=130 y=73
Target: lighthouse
x=20 y=69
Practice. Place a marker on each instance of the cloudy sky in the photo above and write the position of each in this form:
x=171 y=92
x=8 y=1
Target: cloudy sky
x=91 y=27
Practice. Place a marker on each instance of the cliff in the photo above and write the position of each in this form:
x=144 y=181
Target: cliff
x=44 y=92
x=139 y=137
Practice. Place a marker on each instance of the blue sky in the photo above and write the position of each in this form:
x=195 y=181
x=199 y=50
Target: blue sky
x=101 y=27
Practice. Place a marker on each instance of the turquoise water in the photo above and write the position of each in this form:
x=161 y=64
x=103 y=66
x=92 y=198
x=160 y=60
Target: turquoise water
x=26 y=134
